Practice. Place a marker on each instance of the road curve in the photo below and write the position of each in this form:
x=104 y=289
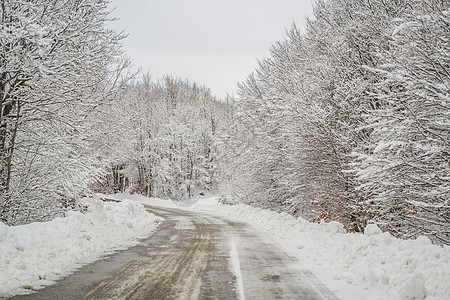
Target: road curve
x=191 y=256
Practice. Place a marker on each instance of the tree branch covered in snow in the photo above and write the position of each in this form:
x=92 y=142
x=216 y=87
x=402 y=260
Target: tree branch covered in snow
x=164 y=139
x=349 y=121
x=58 y=63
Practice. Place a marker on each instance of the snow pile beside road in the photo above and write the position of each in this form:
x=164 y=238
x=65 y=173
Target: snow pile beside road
x=384 y=266
x=140 y=198
x=35 y=255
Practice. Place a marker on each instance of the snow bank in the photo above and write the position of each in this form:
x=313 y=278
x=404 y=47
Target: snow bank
x=140 y=198
x=35 y=255
x=382 y=266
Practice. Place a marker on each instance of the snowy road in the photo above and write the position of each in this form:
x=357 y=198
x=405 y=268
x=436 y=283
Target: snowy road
x=193 y=256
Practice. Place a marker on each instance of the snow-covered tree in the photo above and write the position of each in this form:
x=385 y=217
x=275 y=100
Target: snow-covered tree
x=348 y=121
x=58 y=62
x=167 y=144
x=406 y=165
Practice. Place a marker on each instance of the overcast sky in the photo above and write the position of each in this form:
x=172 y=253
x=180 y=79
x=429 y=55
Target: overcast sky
x=212 y=42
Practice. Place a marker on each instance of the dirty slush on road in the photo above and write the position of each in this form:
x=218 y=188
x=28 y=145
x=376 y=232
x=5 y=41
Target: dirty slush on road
x=188 y=257
x=181 y=260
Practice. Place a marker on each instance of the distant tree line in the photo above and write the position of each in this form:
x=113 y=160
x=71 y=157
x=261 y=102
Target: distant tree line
x=350 y=120
x=164 y=141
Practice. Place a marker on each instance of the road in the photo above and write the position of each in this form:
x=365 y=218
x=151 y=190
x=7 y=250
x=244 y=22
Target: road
x=193 y=256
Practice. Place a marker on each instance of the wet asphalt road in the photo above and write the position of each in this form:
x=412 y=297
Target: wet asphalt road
x=188 y=257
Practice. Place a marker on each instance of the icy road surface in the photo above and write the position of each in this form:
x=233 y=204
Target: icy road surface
x=193 y=256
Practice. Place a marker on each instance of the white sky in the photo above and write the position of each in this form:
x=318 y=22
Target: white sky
x=211 y=42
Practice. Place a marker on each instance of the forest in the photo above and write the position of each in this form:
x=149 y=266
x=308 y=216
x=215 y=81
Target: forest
x=347 y=121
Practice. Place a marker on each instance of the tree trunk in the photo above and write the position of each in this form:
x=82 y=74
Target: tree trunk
x=11 y=147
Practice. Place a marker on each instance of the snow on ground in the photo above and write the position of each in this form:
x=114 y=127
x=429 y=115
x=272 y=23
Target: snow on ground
x=140 y=198
x=376 y=263
x=35 y=255
x=373 y=265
